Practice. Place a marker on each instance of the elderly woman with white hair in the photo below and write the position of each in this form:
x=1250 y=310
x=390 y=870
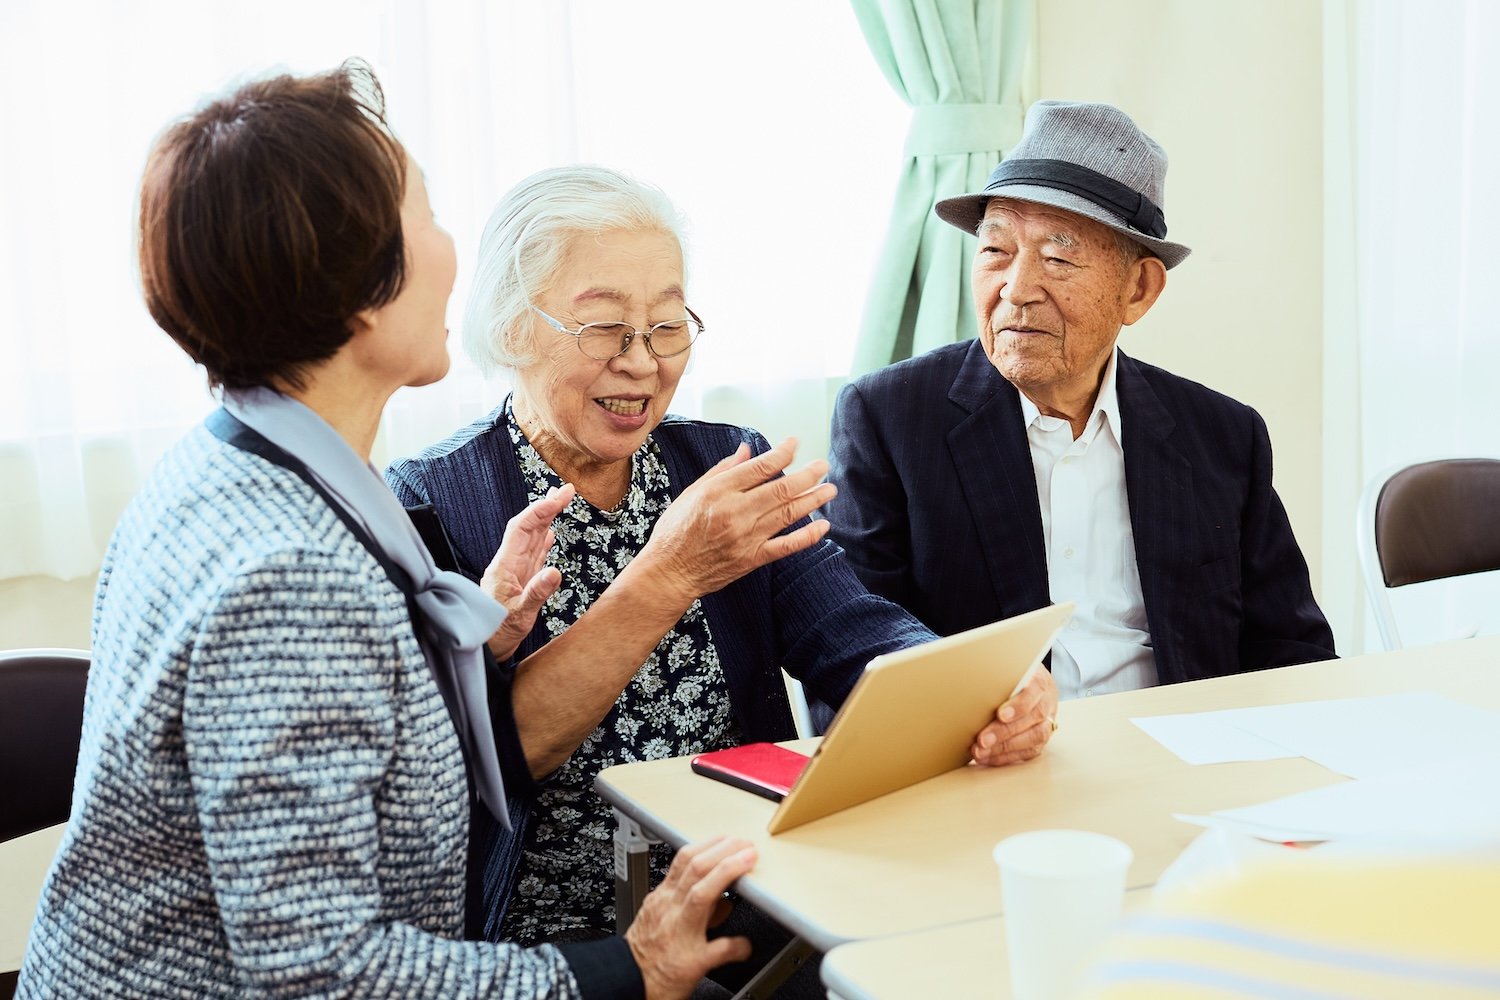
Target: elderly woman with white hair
x=690 y=571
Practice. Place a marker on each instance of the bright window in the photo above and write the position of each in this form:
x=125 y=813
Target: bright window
x=768 y=124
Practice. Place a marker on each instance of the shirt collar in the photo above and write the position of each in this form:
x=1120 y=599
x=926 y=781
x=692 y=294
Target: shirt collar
x=1107 y=402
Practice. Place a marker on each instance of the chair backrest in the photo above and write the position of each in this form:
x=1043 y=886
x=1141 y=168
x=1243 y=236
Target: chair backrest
x=1427 y=521
x=41 y=719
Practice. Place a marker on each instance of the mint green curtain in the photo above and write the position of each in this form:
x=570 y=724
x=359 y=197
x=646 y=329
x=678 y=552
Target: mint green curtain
x=961 y=65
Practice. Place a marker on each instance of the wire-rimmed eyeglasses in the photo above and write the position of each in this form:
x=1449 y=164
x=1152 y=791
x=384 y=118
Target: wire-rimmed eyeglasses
x=603 y=341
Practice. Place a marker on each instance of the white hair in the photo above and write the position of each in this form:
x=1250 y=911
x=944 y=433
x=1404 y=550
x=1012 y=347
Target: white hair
x=528 y=238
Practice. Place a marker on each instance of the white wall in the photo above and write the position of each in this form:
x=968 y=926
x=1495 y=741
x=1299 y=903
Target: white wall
x=41 y=611
x=1233 y=92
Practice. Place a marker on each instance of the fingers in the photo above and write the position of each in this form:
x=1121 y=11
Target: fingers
x=1013 y=718
x=521 y=612
x=686 y=855
x=1012 y=757
x=722 y=471
x=792 y=496
x=728 y=462
x=730 y=521
x=668 y=935
x=798 y=481
x=542 y=585
x=701 y=872
x=737 y=859
x=762 y=467
x=1000 y=743
x=722 y=950
x=804 y=537
x=698 y=861
x=1023 y=703
x=539 y=514
x=789 y=497
x=528 y=535
x=1023 y=724
x=796 y=508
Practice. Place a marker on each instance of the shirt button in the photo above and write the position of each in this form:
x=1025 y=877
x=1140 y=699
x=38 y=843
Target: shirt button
x=1067 y=460
x=1068 y=553
x=1087 y=692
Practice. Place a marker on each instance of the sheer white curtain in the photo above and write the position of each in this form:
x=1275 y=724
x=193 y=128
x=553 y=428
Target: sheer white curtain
x=1417 y=267
x=769 y=125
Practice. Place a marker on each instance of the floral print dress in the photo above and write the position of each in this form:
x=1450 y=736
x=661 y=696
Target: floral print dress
x=677 y=703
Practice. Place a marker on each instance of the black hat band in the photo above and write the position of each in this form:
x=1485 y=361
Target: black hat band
x=1139 y=212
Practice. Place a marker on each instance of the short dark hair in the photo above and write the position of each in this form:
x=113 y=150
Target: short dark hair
x=269 y=219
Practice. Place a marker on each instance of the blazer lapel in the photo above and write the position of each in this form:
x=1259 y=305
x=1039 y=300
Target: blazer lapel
x=992 y=462
x=1159 y=487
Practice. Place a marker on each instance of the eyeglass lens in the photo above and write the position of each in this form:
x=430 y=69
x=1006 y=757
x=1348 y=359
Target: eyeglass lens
x=603 y=341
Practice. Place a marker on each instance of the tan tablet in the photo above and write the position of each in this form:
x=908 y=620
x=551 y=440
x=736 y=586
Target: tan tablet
x=914 y=713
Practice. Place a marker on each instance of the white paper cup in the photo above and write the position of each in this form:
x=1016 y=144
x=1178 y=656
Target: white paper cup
x=1062 y=891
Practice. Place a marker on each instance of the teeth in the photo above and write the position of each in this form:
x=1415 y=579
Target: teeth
x=624 y=407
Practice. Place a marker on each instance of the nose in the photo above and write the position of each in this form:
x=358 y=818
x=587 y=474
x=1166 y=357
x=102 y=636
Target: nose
x=1023 y=280
x=637 y=359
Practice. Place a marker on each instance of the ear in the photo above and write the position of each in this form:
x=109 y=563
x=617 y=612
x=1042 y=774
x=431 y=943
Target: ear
x=1143 y=283
x=363 y=322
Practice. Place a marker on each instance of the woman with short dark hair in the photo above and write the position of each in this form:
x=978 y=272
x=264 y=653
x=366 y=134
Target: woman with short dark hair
x=272 y=796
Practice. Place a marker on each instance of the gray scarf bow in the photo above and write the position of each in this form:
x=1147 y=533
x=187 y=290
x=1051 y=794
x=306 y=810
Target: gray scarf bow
x=457 y=617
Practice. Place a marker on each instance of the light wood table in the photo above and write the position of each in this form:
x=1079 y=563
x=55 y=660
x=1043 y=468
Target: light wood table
x=957 y=960
x=920 y=858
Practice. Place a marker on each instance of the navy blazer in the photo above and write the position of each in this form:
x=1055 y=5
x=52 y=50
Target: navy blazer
x=938 y=511
x=806 y=613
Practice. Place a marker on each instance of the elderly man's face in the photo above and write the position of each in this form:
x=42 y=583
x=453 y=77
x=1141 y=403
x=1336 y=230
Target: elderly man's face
x=1052 y=291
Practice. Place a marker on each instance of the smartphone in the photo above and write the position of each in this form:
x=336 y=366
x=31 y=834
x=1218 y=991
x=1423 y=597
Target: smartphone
x=763 y=768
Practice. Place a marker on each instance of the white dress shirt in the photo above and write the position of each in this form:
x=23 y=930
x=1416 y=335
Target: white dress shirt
x=1080 y=485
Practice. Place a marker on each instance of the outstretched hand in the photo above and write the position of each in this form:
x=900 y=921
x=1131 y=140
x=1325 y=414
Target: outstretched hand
x=669 y=936
x=728 y=522
x=519 y=577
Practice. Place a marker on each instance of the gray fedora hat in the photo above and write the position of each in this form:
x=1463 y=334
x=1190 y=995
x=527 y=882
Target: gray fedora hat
x=1089 y=159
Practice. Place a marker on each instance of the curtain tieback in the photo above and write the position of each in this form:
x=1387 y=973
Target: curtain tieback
x=945 y=129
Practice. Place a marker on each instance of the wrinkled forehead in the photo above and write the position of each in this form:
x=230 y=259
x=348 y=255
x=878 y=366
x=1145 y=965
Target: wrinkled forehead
x=1017 y=218
x=623 y=266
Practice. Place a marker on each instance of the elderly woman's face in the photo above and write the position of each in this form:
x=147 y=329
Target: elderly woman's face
x=581 y=412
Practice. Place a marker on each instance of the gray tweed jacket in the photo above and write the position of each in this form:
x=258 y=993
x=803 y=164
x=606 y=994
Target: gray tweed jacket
x=270 y=798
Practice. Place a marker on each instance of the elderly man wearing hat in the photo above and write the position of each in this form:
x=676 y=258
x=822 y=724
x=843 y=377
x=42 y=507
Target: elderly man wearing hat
x=1039 y=463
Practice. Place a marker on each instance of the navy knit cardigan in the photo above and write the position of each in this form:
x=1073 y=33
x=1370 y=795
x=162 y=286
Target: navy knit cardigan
x=806 y=613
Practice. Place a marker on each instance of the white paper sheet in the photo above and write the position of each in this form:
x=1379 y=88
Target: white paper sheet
x=1367 y=737
x=1215 y=854
x=1248 y=828
x=1454 y=798
x=1210 y=738
x=1358 y=737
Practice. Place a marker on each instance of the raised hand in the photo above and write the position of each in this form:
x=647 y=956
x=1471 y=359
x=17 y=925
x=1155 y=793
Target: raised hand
x=518 y=577
x=727 y=523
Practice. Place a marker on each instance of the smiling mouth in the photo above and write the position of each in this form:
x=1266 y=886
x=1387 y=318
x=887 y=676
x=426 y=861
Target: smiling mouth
x=624 y=407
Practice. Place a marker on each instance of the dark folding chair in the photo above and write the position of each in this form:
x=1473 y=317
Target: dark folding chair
x=41 y=719
x=1423 y=522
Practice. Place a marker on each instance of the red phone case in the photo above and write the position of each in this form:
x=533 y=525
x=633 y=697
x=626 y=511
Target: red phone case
x=763 y=768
